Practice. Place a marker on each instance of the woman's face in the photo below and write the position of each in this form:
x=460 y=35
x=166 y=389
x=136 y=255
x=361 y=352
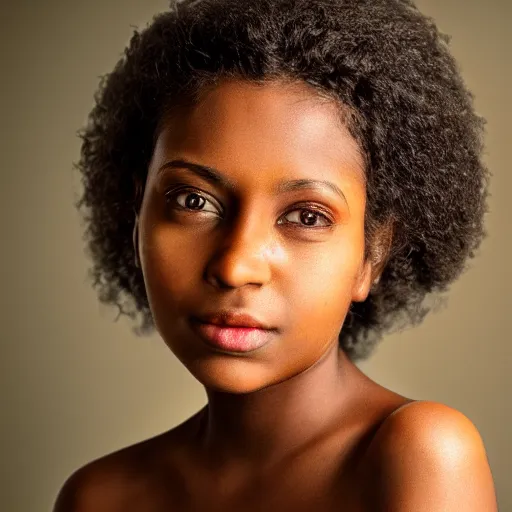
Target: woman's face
x=290 y=256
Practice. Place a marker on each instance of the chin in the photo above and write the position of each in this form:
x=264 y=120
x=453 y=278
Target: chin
x=226 y=374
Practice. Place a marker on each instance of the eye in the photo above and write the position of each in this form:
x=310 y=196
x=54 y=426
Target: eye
x=308 y=217
x=194 y=200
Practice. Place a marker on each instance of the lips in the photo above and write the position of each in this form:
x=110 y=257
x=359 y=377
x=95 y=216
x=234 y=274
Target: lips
x=233 y=318
x=232 y=339
x=233 y=330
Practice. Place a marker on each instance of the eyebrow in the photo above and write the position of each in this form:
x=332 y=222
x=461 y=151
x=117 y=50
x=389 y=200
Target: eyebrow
x=215 y=177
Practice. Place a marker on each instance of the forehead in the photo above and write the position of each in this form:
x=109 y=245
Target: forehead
x=276 y=126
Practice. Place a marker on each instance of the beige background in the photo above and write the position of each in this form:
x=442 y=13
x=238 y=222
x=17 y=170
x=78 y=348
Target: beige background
x=76 y=385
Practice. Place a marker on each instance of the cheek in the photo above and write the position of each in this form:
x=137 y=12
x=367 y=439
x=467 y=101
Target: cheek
x=323 y=293
x=167 y=265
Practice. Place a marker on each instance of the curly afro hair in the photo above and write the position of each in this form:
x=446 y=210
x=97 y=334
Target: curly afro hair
x=381 y=60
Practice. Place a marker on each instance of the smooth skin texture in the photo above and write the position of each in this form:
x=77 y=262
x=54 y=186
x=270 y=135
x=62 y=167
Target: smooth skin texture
x=294 y=425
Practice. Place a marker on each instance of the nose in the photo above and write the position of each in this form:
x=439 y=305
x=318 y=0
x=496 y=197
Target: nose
x=243 y=254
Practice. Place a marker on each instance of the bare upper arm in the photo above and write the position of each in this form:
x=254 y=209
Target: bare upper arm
x=428 y=457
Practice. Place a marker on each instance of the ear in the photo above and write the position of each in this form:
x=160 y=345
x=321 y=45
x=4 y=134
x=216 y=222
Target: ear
x=136 y=241
x=373 y=266
x=136 y=208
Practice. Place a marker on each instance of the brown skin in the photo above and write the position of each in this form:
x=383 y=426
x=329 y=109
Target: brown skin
x=293 y=425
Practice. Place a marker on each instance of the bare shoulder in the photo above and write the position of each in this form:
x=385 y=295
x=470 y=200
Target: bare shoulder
x=128 y=479
x=111 y=482
x=427 y=456
x=96 y=486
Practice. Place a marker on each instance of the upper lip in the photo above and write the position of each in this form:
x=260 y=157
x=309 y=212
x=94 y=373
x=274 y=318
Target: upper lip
x=232 y=318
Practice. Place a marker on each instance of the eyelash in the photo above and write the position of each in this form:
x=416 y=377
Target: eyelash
x=174 y=192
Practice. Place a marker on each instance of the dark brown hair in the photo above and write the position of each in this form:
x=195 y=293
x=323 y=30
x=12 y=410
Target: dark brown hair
x=382 y=60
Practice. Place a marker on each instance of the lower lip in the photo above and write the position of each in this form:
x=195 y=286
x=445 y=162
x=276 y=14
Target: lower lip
x=233 y=339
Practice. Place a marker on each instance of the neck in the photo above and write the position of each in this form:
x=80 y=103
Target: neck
x=267 y=425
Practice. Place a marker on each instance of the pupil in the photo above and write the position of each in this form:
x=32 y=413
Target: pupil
x=193 y=203
x=308 y=218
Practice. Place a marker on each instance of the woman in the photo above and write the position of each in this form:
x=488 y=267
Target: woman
x=272 y=185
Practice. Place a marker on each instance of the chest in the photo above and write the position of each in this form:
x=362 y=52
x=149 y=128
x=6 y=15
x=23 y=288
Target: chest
x=315 y=481
x=310 y=493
